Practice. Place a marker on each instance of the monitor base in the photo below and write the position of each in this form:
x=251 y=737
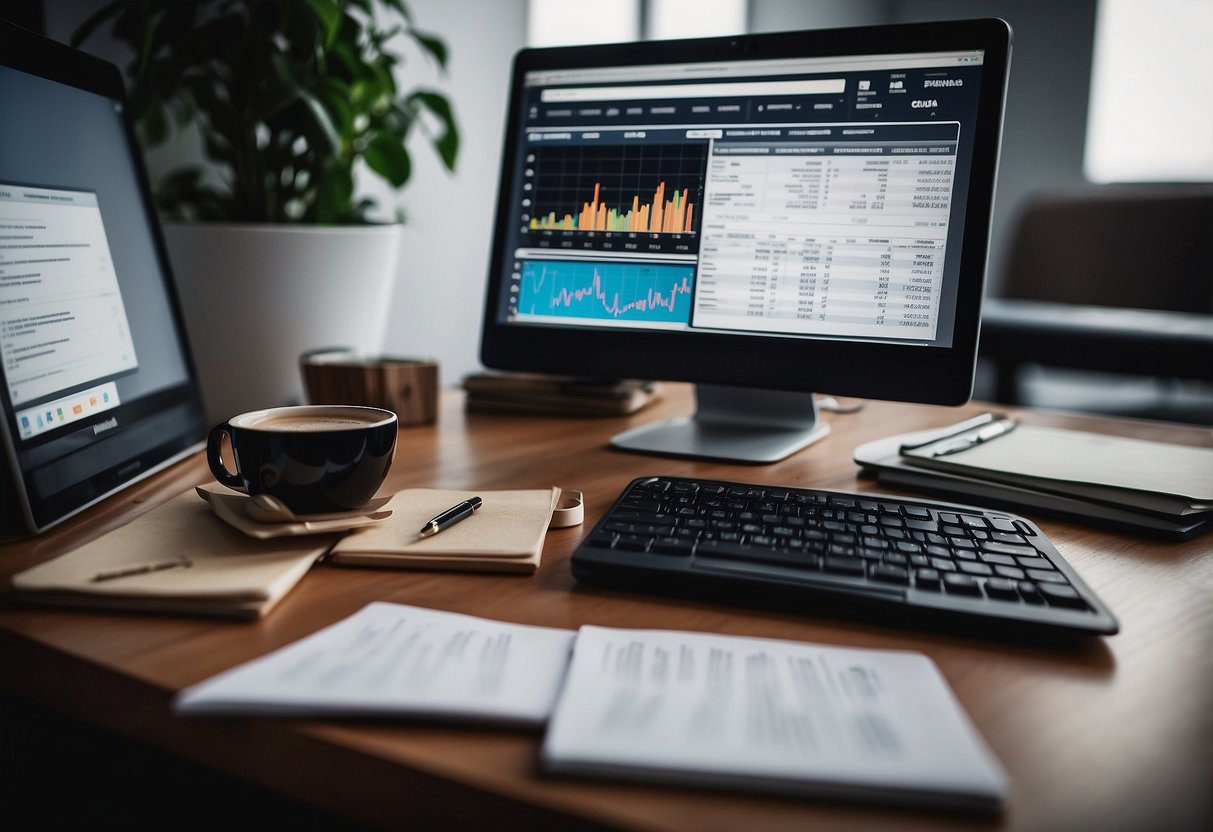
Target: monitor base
x=733 y=424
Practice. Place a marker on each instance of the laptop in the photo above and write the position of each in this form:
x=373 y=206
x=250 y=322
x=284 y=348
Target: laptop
x=97 y=386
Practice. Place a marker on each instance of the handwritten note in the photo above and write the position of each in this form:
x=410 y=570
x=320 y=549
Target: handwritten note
x=781 y=716
x=396 y=660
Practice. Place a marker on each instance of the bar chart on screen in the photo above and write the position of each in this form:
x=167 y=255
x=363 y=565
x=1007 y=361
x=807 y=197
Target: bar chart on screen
x=652 y=189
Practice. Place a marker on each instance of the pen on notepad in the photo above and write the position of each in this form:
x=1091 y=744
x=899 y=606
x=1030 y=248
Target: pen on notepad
x=451 y=516
x=972 y=439
x=142 y=569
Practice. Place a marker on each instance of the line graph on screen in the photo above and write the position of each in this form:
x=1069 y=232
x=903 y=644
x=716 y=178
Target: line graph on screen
x=607 y=291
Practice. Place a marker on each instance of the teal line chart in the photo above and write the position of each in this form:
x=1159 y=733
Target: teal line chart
x=607 y=291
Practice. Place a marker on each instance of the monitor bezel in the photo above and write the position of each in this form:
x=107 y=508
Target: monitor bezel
x=928 y=374
x=29 y=52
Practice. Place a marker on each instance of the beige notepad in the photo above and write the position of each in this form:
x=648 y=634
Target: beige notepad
x=505 y=535
x=229 y=574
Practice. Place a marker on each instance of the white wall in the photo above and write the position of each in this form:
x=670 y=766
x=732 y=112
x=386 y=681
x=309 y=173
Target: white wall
x=439 y=296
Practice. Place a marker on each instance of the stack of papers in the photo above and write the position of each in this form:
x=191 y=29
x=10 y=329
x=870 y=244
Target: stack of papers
x=1154 y=488
x=690 y=708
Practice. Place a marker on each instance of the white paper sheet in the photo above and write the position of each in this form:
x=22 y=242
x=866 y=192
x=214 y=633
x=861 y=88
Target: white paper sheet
x=773 y=715
x=397 y=660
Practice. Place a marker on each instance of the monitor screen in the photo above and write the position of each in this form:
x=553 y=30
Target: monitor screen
x=96 y=381
x=792 y=212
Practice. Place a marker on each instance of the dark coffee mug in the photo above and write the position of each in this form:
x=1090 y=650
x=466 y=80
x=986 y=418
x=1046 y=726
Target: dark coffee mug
x=316 y=459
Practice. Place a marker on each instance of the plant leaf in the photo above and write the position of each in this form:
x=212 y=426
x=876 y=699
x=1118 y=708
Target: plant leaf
x=447 y=142
x=328 y=12
x=333 y=194
x=432 y=44
x=387 y=156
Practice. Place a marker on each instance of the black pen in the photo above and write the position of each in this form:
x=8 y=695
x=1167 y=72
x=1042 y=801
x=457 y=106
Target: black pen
x=451 y=516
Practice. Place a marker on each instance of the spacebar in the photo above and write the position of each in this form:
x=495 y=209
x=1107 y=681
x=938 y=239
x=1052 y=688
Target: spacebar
x=814 y=580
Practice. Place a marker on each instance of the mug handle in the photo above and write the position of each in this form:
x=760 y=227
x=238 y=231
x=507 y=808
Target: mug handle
x=215 y=459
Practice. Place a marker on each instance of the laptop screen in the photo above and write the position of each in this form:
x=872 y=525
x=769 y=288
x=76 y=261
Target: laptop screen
x=97 y=383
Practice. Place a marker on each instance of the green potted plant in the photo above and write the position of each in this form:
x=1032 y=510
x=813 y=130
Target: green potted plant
x=274 y=250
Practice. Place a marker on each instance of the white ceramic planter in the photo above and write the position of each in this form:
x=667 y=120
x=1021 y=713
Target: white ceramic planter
x=255 y=297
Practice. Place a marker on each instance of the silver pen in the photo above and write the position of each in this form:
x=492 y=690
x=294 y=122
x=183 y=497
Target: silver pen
x=985 y=433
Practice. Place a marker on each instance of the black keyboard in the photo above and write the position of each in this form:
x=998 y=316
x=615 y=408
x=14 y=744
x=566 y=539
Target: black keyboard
x=757 y=542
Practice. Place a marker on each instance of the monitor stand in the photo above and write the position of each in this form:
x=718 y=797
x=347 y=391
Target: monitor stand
x=733 y=424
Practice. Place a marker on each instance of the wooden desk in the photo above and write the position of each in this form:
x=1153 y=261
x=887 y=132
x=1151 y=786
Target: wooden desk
x=1105 y=734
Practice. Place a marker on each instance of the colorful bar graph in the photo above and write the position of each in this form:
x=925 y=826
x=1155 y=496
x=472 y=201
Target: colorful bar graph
x=658 y=216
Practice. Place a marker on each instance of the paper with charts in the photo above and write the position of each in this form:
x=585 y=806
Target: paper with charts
x=397 y=660
x=781 y=716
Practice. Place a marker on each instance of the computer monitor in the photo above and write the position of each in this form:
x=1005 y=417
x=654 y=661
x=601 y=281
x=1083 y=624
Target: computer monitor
x=766 y=216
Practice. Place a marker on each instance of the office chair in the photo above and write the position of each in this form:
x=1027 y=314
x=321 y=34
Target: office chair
x=1115 y=280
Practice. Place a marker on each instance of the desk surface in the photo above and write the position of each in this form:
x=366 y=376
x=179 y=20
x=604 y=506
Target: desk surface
x=1106 y=734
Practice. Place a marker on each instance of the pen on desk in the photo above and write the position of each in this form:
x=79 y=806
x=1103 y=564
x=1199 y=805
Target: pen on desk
x=142 y=569
x=972 y=439
x=450 y=517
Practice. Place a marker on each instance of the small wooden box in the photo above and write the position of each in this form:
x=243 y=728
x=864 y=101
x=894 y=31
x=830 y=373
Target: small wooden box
x=406 y=386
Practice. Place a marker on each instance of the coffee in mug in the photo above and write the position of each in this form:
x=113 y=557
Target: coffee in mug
x=315 y=459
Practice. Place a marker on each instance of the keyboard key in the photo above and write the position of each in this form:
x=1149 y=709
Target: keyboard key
x=1002 y=588
x=633 y=542
x=957 y=584
x=1010 y=538
x=1034 y=563
x=997 y=560
x=1062 y=596
x=1044 y=576
x=1005 y=549
x=976 y=569
x=1029 y=592
x=890 y=574
x=843 y=565
x=927 y=579
x=673 y=546
x=1012 y=572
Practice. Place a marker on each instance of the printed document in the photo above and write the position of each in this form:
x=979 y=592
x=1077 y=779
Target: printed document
x=397 y=660
x=747 y=713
